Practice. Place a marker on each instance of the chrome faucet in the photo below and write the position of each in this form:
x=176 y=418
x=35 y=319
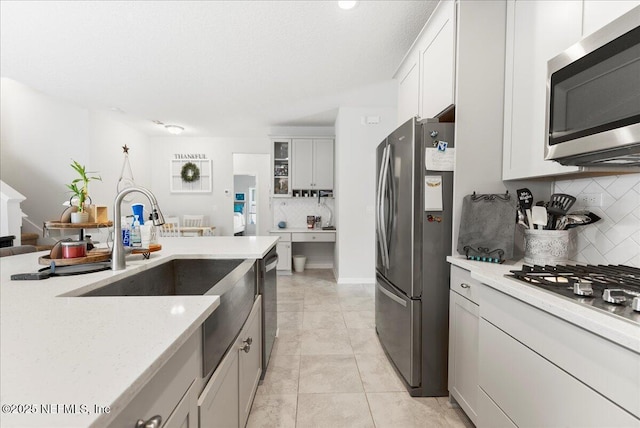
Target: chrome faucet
x=117 y=255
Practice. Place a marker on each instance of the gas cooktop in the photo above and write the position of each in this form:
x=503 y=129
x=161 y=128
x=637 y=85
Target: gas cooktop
x=613 y=289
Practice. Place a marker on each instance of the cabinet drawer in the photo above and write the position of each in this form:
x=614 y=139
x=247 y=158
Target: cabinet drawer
x=313 y=237
x=463 y=284
x=284 y=236
x=604 y=366
x=534 y=392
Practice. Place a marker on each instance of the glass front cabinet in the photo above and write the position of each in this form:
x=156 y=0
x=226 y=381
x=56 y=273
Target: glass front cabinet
x=281 y=167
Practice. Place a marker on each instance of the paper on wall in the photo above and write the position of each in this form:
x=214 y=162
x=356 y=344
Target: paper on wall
x=439 y=160
x=433 y=193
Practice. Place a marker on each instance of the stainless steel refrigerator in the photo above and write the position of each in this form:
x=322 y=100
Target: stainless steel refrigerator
x=413 y=239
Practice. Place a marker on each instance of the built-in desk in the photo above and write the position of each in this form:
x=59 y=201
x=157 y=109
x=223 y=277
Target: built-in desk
x=316 y=245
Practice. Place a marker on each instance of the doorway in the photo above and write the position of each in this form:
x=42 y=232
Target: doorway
x=244 y=205
x=251 y=213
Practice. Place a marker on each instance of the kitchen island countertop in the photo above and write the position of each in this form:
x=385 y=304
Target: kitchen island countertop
x=620 y=331
x=82 y=352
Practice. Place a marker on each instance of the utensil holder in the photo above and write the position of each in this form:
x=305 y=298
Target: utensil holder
x=548 y=247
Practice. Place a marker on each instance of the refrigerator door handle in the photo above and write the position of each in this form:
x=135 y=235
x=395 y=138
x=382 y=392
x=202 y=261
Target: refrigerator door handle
x=392 y=197
x=392 y=296
x=379 y=206
x=383 y=220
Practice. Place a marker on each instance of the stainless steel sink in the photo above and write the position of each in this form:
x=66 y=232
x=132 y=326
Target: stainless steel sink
x=174 y=278
x=234 y=280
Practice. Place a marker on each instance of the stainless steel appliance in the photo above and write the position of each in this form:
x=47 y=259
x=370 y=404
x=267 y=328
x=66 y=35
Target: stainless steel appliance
x=593 y=98
x=412 y=275
x=612 y=289
x=268 y=288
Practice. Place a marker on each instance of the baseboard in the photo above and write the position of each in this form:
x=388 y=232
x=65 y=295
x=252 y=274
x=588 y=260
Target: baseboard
x=318 y=265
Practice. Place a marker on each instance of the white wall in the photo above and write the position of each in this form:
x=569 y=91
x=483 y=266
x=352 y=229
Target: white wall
x=355 y=190
x=40 y=135
x=258 y=165
x=480 y=65
x=217 y=206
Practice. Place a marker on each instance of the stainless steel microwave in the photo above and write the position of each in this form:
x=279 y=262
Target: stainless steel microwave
x=593 y=98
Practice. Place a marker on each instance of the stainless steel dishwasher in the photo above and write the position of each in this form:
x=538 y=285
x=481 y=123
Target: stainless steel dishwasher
x=268 y=288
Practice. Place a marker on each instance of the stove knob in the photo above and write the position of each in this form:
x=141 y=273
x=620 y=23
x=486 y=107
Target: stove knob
x=615 y=296
x=582 y=288
x=635 y=304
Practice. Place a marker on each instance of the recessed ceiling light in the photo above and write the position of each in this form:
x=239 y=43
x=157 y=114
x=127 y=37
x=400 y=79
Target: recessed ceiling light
x=174 y=129
x=346 y=5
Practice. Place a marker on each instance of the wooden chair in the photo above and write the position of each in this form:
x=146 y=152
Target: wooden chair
x=191 y=220
x=170 y=228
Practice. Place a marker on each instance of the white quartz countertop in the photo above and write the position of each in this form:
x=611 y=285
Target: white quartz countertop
x=614 y=329
x=82 y=352
x=300 y=230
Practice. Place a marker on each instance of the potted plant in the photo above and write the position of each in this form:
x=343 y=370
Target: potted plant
x=79 y=190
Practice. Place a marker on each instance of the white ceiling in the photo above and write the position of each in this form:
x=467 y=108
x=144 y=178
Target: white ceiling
x=218 y=68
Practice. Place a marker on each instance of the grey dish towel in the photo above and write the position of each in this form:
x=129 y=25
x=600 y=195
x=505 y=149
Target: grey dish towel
x=487 y=226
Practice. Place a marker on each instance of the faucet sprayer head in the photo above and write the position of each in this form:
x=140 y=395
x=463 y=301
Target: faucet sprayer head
x=156 y=216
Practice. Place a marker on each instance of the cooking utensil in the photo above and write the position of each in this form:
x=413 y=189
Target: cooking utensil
x=589 y=214
x=576 y=220
x=539 y=217
x=521 y=218
x=62 y=271
x=559 y=205
x=525 y=199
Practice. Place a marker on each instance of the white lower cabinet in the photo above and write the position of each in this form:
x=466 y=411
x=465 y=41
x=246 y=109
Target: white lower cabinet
x=185 y=415
x=249 y=361
x=168 y=397
x=512 y=364
x=463 y=341
x=226 y=400
x=541 y=370
x=463 y=353
x=218 y=403
x=489 y=414
x=532 y=391
x=284 y=256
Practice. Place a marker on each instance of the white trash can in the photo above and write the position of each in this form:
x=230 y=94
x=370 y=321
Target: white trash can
x=298 y=263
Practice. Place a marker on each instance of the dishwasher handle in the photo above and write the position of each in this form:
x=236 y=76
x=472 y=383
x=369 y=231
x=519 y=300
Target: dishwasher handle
x=271 y=263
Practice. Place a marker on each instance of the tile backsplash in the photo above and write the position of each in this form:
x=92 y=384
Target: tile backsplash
x=616 y=238
x=294 y=211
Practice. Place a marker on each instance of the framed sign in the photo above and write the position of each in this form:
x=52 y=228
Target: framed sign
x=190 y=173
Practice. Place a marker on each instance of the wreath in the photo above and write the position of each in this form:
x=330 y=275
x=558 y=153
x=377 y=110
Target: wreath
x=190 y=172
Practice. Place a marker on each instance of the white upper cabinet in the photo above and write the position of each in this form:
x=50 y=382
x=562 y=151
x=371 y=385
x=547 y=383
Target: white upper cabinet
x=598 y=13
x=426 y=75
x=437 y=61
x=408 y=88
x=312 y=164
x=302 y=163
x=536 y=32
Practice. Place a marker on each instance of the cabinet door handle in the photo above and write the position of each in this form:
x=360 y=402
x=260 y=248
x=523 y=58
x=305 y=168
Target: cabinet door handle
x=153 y=422
x=464 y=285
x=246 y=346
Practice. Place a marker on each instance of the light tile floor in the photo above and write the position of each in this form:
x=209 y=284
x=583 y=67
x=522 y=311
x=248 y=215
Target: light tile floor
x=328 y=369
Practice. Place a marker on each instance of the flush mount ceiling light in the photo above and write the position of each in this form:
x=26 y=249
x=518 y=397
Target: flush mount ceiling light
x=174 y=129
x=346 y=5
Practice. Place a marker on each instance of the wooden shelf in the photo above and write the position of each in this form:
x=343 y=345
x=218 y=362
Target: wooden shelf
x=60 y=225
